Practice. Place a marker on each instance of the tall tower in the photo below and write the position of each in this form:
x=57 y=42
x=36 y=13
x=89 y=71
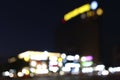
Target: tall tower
x=79 y=33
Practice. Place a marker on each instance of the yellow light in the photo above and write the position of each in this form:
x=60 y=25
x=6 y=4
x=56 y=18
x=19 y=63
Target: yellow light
x=37 y=53
x=90 y=13
x=59 y=59
x=26 y=59
x=25 y=71
x=99 y=11
x=76 y=12
x=84 y=8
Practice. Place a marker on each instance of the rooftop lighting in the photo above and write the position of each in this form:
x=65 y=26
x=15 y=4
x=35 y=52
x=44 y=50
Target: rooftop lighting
x=94 y=5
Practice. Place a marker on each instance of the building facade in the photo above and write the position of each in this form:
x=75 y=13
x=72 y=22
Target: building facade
x=80 y=34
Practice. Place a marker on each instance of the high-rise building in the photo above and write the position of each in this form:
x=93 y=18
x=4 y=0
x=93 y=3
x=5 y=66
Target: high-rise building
x=115 y=55
x=80 y=32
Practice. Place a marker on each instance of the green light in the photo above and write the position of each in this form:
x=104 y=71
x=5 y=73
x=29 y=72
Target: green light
x=86 y=64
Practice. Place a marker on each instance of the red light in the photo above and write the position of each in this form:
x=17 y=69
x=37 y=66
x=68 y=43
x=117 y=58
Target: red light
x=63 y=21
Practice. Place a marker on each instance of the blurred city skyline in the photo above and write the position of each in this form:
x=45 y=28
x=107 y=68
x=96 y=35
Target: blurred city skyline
x=31 y=25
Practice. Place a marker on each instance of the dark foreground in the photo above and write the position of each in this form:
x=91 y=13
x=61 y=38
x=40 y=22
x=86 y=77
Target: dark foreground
x=110 y=77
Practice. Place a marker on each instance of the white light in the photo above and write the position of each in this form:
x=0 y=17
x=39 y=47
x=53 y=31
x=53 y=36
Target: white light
x=99 y=73
x=75 y=71
x=70 y=57
x=45 y=51
x=111 y=70
x=41 y=71
x=53 y=63
x=83 y=59
x=54 y=69
x=66 y=69
x=94 y=5
x=32 y=70
x=105 y=72
x=63 y=55
x=39 y=57
x=25 y=70
x=117 y=69
x=61 y=73
x=6 y=73
x=20 y=74
x=33 y=63
x=39 y=66
x=99 y=68
x=32 y=75
x=87 y=70
x=77 y=57
x=53 y=58
x=69 y=65
x=76 y=65
x=11 y=75
x=114 y=69
x=44 y=66
x=60 y=64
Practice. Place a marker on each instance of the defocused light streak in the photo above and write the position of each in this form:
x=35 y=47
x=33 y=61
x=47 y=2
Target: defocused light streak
x=76 y=12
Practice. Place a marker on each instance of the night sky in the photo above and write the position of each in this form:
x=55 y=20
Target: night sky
x=31 y=24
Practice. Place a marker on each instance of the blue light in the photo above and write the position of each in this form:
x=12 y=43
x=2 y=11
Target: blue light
x=94 y=5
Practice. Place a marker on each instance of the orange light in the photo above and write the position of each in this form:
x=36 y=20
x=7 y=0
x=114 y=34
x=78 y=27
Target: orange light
x=99 y=11
x=90 y=13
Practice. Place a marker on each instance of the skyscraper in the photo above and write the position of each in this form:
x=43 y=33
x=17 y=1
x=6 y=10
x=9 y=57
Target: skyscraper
x=81 y=34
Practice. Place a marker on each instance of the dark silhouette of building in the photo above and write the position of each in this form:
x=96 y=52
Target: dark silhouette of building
x=80 y=36
x=116 y=55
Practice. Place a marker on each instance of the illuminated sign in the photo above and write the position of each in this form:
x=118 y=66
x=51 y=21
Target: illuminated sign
x=80 y=10
x=76 y=12
x=86 y=64
x=86 y=58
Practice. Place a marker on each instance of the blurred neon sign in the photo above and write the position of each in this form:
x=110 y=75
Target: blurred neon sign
x=80 y=10
x=86 y=58
x=76 y=12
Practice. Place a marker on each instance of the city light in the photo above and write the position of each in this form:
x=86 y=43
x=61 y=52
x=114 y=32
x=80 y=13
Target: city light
x=20 y=74
x=86 y=58
x=99 y=11
x=33 y=63
x=26 y=71
x=63 y=55
x=99 y=68
x=90 y=63
x=94 y=5
x=77 y=11
x=114 y=69
x=70 y=57
x=105 y=72
x=11 y=60
x=61 y=65
x=6 y=73
x=90 y=13
x=91 y=9
x=87 y=70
